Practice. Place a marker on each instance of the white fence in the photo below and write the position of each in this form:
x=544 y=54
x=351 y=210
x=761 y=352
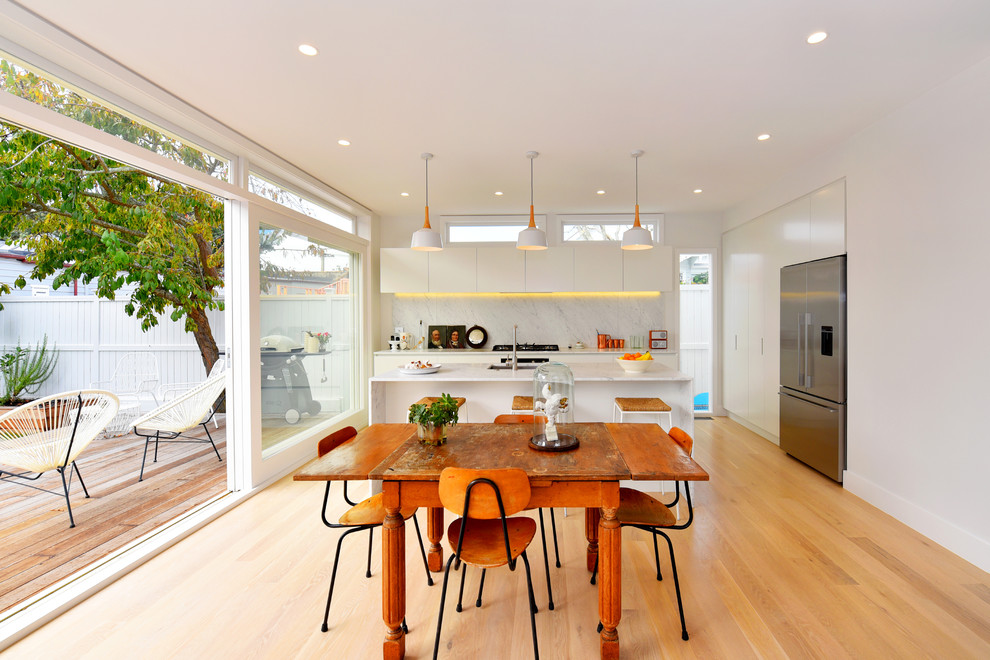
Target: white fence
x=696 y=335
x=91 y=334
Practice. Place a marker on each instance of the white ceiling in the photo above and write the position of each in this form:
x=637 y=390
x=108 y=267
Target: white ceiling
x=479 y=83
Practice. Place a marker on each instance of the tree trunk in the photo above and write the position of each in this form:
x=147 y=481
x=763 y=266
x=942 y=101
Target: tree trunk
x=204 y=338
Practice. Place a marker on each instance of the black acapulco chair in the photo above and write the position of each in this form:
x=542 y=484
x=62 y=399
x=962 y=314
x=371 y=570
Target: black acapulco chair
x=485 y=535
x=645 y=512
x=364 y=515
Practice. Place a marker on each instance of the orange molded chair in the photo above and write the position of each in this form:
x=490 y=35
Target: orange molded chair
x=642 y=511
x=485 y=535
x=366 y=514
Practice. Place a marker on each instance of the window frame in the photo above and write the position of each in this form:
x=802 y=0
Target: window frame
x=612 y=219
x=487 y=221
x=308 y=198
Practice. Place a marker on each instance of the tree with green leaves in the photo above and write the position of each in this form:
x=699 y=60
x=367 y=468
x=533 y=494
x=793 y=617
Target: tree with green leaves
x=91 y=218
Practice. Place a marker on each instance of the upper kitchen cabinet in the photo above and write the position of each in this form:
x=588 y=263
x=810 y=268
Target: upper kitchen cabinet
x=827 y=233
x=550 y=270
x=597 y=268
x=453 y=270
x=404 y=271
x=648 y=270
x=501 y=269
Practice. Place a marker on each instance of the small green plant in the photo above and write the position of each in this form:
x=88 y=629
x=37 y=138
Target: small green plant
x=441 y=413
x=24 y=371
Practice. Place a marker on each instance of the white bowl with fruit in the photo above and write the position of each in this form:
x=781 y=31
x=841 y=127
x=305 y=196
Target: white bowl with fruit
x=635 y=363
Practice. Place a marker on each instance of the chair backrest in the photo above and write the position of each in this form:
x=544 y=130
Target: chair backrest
x=516 y=419
x=186 y=411
x=136 y=372
x=335 y=439
x=51 y=432
x=682 y=438
x=511 y=484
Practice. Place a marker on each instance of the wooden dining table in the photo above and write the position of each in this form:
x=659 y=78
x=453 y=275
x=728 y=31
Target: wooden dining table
x=586 y=477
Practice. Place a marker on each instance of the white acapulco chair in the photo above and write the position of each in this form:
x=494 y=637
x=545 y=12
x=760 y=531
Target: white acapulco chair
x=50 y=433
x=135 y=378
x=172 y=419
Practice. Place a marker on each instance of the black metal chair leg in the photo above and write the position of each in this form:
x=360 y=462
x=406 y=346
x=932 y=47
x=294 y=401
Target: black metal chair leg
x=144 y=458
x=422 y=551
x=443 y=597
x=211 y=442
x=333 y=576
x=532 y=604
x=481 y=588
x=546 y=560
x=371 y=538
x=405 y=628
x=79 y=474
x=65 y=487
x=156 y=447
x=656 y=556
x=460 y=594
x=553 y=526
x=594 y=574
x=677 y=585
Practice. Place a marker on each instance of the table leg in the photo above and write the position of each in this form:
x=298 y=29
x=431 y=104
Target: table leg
x=610 y=582
x=591 y=517
x=393 y=574
x=434 y=532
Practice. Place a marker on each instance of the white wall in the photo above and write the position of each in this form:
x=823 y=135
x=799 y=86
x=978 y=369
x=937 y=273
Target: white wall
x=917 y=237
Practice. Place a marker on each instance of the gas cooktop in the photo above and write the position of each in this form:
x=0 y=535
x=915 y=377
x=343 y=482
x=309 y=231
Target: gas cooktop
x=526 y=347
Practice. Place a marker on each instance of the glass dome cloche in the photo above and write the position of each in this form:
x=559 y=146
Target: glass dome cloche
x=553 y=401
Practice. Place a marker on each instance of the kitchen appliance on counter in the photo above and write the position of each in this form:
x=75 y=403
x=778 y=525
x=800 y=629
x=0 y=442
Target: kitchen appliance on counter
x=527 y=347
x=813 y=364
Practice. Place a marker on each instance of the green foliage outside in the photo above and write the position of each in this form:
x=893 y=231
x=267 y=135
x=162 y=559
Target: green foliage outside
x=700 y=278
x=91 y=218
x=24 y=371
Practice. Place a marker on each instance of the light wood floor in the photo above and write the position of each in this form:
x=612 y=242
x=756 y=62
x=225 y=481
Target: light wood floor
x=39 y=548
x=780 y=562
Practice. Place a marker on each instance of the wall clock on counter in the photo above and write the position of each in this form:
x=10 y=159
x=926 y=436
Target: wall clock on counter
x=476 y=337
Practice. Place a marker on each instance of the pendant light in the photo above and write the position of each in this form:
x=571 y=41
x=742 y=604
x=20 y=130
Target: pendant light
x=637 y=237
x=532 y=238
x=427 y=239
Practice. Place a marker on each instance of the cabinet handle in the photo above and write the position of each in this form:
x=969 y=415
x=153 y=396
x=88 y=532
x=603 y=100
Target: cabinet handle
x=735 y=342
x=761 y=345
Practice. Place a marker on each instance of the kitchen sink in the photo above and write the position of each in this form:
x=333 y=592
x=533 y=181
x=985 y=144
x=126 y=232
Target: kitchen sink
x=509 y=366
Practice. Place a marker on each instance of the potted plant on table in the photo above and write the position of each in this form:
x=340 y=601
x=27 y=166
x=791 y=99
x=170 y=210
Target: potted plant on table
x=433 y=419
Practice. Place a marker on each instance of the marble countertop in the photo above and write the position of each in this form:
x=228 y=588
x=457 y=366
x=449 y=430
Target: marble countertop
x=582 y=372
x=482 y=353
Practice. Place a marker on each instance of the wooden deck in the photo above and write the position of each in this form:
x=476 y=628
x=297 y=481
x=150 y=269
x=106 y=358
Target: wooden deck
x=39 y=548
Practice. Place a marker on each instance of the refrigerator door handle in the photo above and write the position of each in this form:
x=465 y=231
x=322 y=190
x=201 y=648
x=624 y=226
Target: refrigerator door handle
x=800 y=346
x=807 y=351
x=791 y=396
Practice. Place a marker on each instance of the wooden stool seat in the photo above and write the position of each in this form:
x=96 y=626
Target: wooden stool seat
x=642 y=406
x=430 y=400
x=522 y=403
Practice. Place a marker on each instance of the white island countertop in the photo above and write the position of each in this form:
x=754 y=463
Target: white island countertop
x=582 y=372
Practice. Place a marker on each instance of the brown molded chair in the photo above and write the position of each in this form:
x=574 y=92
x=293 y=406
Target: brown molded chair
x=366 y=514
x=642 y=511
x=485 y=536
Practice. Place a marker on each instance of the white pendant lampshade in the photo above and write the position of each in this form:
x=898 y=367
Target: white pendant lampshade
x=427 y=239
x=637 y=237
x=531 y=238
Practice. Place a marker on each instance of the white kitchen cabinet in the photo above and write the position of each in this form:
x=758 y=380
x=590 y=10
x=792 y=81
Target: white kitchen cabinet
x=454 y=270
x=735 y=303
x=404 y=270
x=501 y=269
x=827 y=233
x=648 y=270
x=597 y=268
x=550 y=270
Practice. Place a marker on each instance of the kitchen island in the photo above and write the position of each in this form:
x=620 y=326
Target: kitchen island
x=489 y=392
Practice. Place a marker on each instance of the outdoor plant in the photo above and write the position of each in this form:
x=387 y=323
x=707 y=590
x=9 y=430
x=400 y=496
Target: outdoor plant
x=433 y=419
x=24 y=371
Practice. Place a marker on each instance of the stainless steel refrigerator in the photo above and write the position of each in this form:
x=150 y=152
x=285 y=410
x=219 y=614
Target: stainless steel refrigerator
x=813 y=364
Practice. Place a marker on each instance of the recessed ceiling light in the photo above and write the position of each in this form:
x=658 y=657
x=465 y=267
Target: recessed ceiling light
x=404 y=194
x=344 y=143
x=817 y=37
x=764 y=137
x=697 y=191
x=600 y=192
x=306 y=49
x=499 y=193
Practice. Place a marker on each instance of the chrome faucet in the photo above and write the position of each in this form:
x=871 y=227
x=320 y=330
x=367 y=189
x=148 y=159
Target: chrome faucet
x=515 y=360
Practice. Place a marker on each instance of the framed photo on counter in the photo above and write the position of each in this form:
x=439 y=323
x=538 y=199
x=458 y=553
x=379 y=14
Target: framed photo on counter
x=455 y=336
x=436 y=336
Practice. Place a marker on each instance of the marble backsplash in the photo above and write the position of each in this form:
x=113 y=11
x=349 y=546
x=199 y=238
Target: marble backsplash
x=544 y=319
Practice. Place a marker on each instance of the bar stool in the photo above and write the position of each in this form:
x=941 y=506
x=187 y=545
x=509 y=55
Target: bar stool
x=430 y=400
x=522 y=404
x=642 y=406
